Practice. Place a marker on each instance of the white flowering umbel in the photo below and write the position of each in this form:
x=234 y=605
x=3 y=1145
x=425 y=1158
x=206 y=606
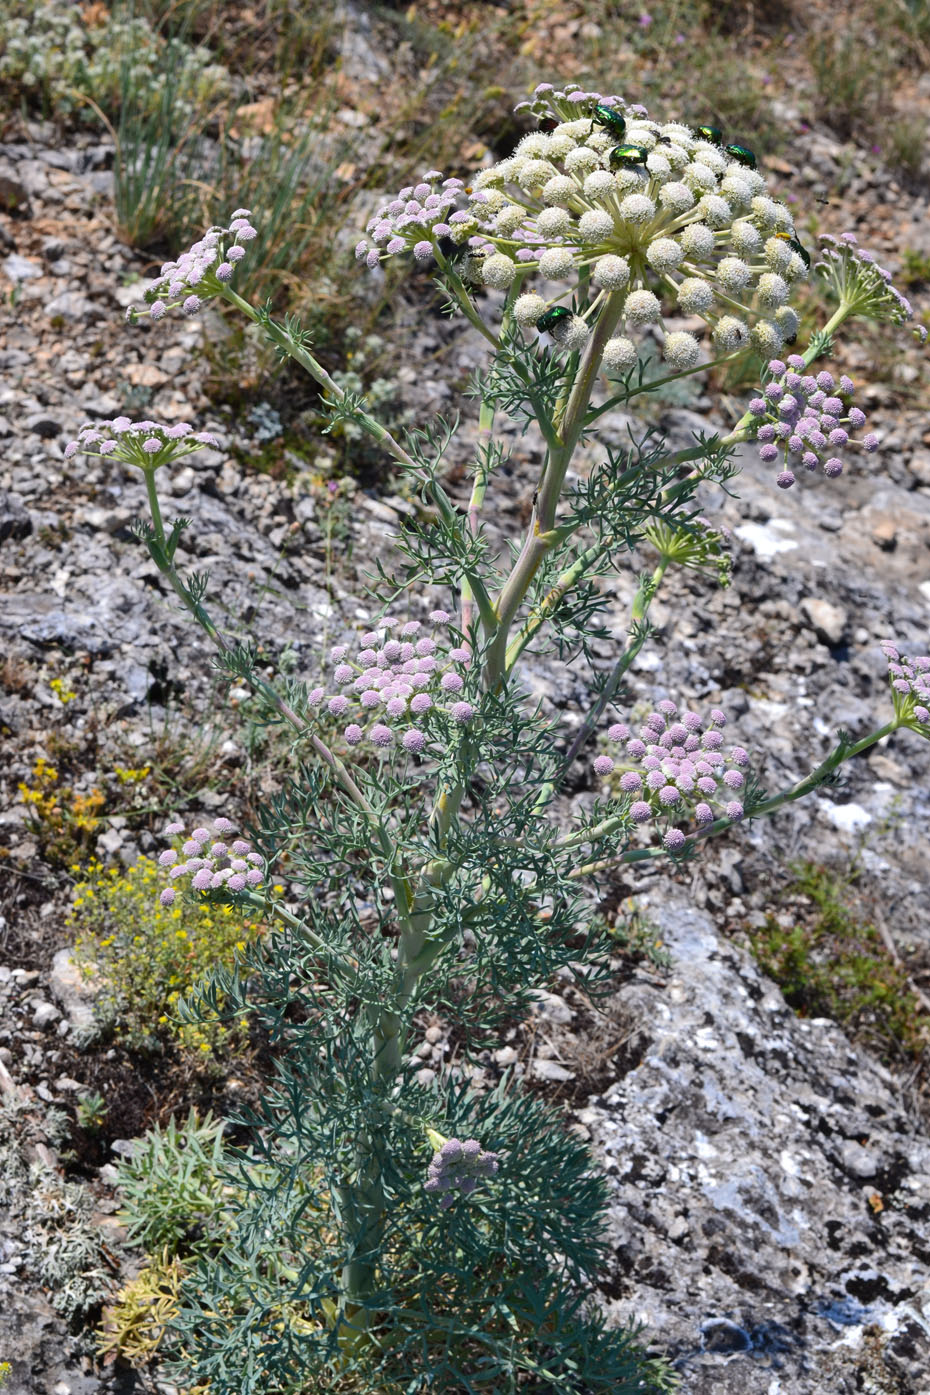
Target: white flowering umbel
x=683 y=226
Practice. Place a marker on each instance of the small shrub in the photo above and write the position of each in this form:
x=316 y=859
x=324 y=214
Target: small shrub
x=54 y=55
x=852 y=77
x=171 y=1187
x=135 y=1324
x=906 y=23
x=148 y=956
x=905 y=140
x=64 y=821
x=916 y=268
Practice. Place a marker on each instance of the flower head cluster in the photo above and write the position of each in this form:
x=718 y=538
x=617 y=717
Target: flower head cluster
x=676 y=769
x=146 y=444
x=403 y=674
x=459 y=1167
x=910 y=685
x=199 y=274
x=649 y=210
x=862 y=284
x=414 y=221
x=806 y=418
x=212 y=863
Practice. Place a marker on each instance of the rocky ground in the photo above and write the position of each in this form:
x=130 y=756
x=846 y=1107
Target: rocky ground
x=771 y=1216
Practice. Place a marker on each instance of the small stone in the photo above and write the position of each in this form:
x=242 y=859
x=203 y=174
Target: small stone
x=17 y=268
x=551 y=1006
x=379 y=510
x=145 y=375
x=14 y=197
x=551 y=1070
x=885 y=533
x=828 y=621
x=44 y=1014
x=73 y=306
x=15 y=522
x=43 y=425
x=73 y=990
x=183 y=482
x=110 y=842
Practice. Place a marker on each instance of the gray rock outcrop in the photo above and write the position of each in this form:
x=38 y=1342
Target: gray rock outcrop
x=770 y=1221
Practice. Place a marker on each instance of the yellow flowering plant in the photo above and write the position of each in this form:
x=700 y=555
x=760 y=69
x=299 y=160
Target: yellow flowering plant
x=147 y=956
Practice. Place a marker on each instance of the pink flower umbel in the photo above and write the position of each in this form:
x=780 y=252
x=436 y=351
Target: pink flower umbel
x=400 y=670
x=675 y=770
x=414 y=221
x=910 y=687
x=145 y=444
x=806 y=419
x=858 y=281
x=210 y=865
x=459 y=1167
x=199 y=274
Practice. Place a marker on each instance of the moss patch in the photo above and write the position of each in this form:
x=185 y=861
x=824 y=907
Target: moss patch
x=832 y=962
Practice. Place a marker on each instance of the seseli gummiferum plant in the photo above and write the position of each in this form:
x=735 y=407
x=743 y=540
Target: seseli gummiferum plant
x=389 y=1231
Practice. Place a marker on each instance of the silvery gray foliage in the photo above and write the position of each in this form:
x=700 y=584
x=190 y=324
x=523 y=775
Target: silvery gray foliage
x=429 y=870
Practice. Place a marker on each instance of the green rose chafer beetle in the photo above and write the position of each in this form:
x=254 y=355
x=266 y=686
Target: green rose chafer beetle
x=548 y=321
x=742 y=154
x=628 y=155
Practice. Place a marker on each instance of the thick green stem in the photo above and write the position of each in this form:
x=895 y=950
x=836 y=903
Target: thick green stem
x=542 y=534
x=475 y=503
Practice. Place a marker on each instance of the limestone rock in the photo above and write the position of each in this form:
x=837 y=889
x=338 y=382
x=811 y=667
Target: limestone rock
x=74 y=991
x=770 y=1198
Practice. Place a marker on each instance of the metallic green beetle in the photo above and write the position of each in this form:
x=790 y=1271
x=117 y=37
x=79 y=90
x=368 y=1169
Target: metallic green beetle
x=742 y=154
x=614 y=121
x=551 y=318
x=796 y=246
x=711 y=133
x=628 y=155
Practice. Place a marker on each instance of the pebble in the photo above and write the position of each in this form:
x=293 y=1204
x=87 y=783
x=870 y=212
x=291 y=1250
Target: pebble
x=18 y=268
x=551 y=1070
x=828 y=621
x=44 y=1014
